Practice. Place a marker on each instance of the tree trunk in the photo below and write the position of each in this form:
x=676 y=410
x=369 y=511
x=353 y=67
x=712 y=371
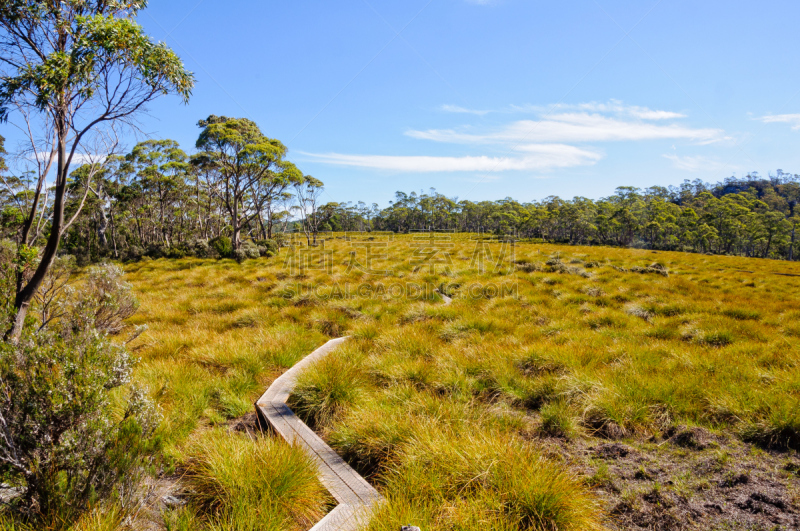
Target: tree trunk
x=102 y=228
x=26 y=294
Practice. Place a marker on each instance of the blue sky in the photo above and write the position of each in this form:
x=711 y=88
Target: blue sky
x=484 y=99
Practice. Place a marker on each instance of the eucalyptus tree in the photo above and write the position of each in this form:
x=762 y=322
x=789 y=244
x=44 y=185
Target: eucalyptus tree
x=242 y=158
x=162 y=168
x=206 y=198
x=75 y=70
x=271 y=191
x=308 y=191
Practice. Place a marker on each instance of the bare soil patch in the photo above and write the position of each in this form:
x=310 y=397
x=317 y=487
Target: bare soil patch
x=689 y=479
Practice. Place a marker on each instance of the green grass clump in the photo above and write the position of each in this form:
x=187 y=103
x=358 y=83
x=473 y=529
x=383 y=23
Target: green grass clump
x=239 y=483
x=451 y=480
x=742 y=314
x=327 y=388
x=778 y=427
x=557 y=420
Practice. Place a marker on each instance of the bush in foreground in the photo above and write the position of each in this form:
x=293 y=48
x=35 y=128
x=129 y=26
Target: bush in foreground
x=68 y=442
x=75 y=434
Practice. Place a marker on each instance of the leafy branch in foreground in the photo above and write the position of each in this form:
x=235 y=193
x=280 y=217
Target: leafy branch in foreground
x=74 y=70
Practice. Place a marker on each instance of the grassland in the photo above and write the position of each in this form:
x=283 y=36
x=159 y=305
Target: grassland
x=488 y=413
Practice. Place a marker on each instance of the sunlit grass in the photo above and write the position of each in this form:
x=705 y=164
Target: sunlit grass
x=613 y=350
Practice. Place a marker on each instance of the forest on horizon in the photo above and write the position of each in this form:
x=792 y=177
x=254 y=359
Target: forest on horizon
x=241 y=194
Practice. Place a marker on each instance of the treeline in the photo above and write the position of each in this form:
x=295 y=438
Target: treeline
x=238 y=196
x=751 y=216
x=227 y=199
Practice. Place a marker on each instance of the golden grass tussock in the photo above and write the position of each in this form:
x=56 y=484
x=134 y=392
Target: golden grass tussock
x=241 y=483
x=442 y=406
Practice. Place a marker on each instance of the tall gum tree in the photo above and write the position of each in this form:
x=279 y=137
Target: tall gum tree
x=81 y=69
x=245 y=161
x=163 y=169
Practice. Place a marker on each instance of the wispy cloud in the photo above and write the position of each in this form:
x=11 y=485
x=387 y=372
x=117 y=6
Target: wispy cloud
x=535 y=157
x=791 y=119
x=571 y=127
x=647 y=114
x=463 y=110
x=539 y=145
x=695 y=164
x=610 y=107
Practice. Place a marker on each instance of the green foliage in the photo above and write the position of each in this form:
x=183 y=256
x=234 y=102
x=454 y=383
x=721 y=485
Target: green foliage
x=267 y=247
x=246 y=250
x=94 y=37
x=103 y=303
x=67 y=442
x=222 y=245
x=76 y=432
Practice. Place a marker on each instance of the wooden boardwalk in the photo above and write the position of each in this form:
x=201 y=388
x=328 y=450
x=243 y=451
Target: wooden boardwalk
x=356 y=498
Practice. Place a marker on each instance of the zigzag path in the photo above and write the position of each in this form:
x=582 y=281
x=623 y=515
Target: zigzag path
x=357 y=499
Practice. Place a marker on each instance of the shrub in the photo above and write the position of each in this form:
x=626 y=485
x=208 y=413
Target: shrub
x=177 y=252
x=103 y=304
x=133 y=253
x=222 y=245
x=247 y=249
x=67 y=443
x=280 y=239
x=528 y=267
x=267 y=247
x=156 y=250
x=201 y=249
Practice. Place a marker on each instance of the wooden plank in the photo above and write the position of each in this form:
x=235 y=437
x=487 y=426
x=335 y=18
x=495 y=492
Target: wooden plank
x=447 y=300
x=342 y=518
x=357 y=498
x=354 y=481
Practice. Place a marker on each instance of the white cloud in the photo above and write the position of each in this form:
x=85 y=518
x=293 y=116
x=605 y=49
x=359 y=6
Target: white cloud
x=463 y=110
x=694 y=164
x=647 y=114
x=572 y=127
x=791 y=119
x=540 y=145
x=611 y=107
x=536 y=157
